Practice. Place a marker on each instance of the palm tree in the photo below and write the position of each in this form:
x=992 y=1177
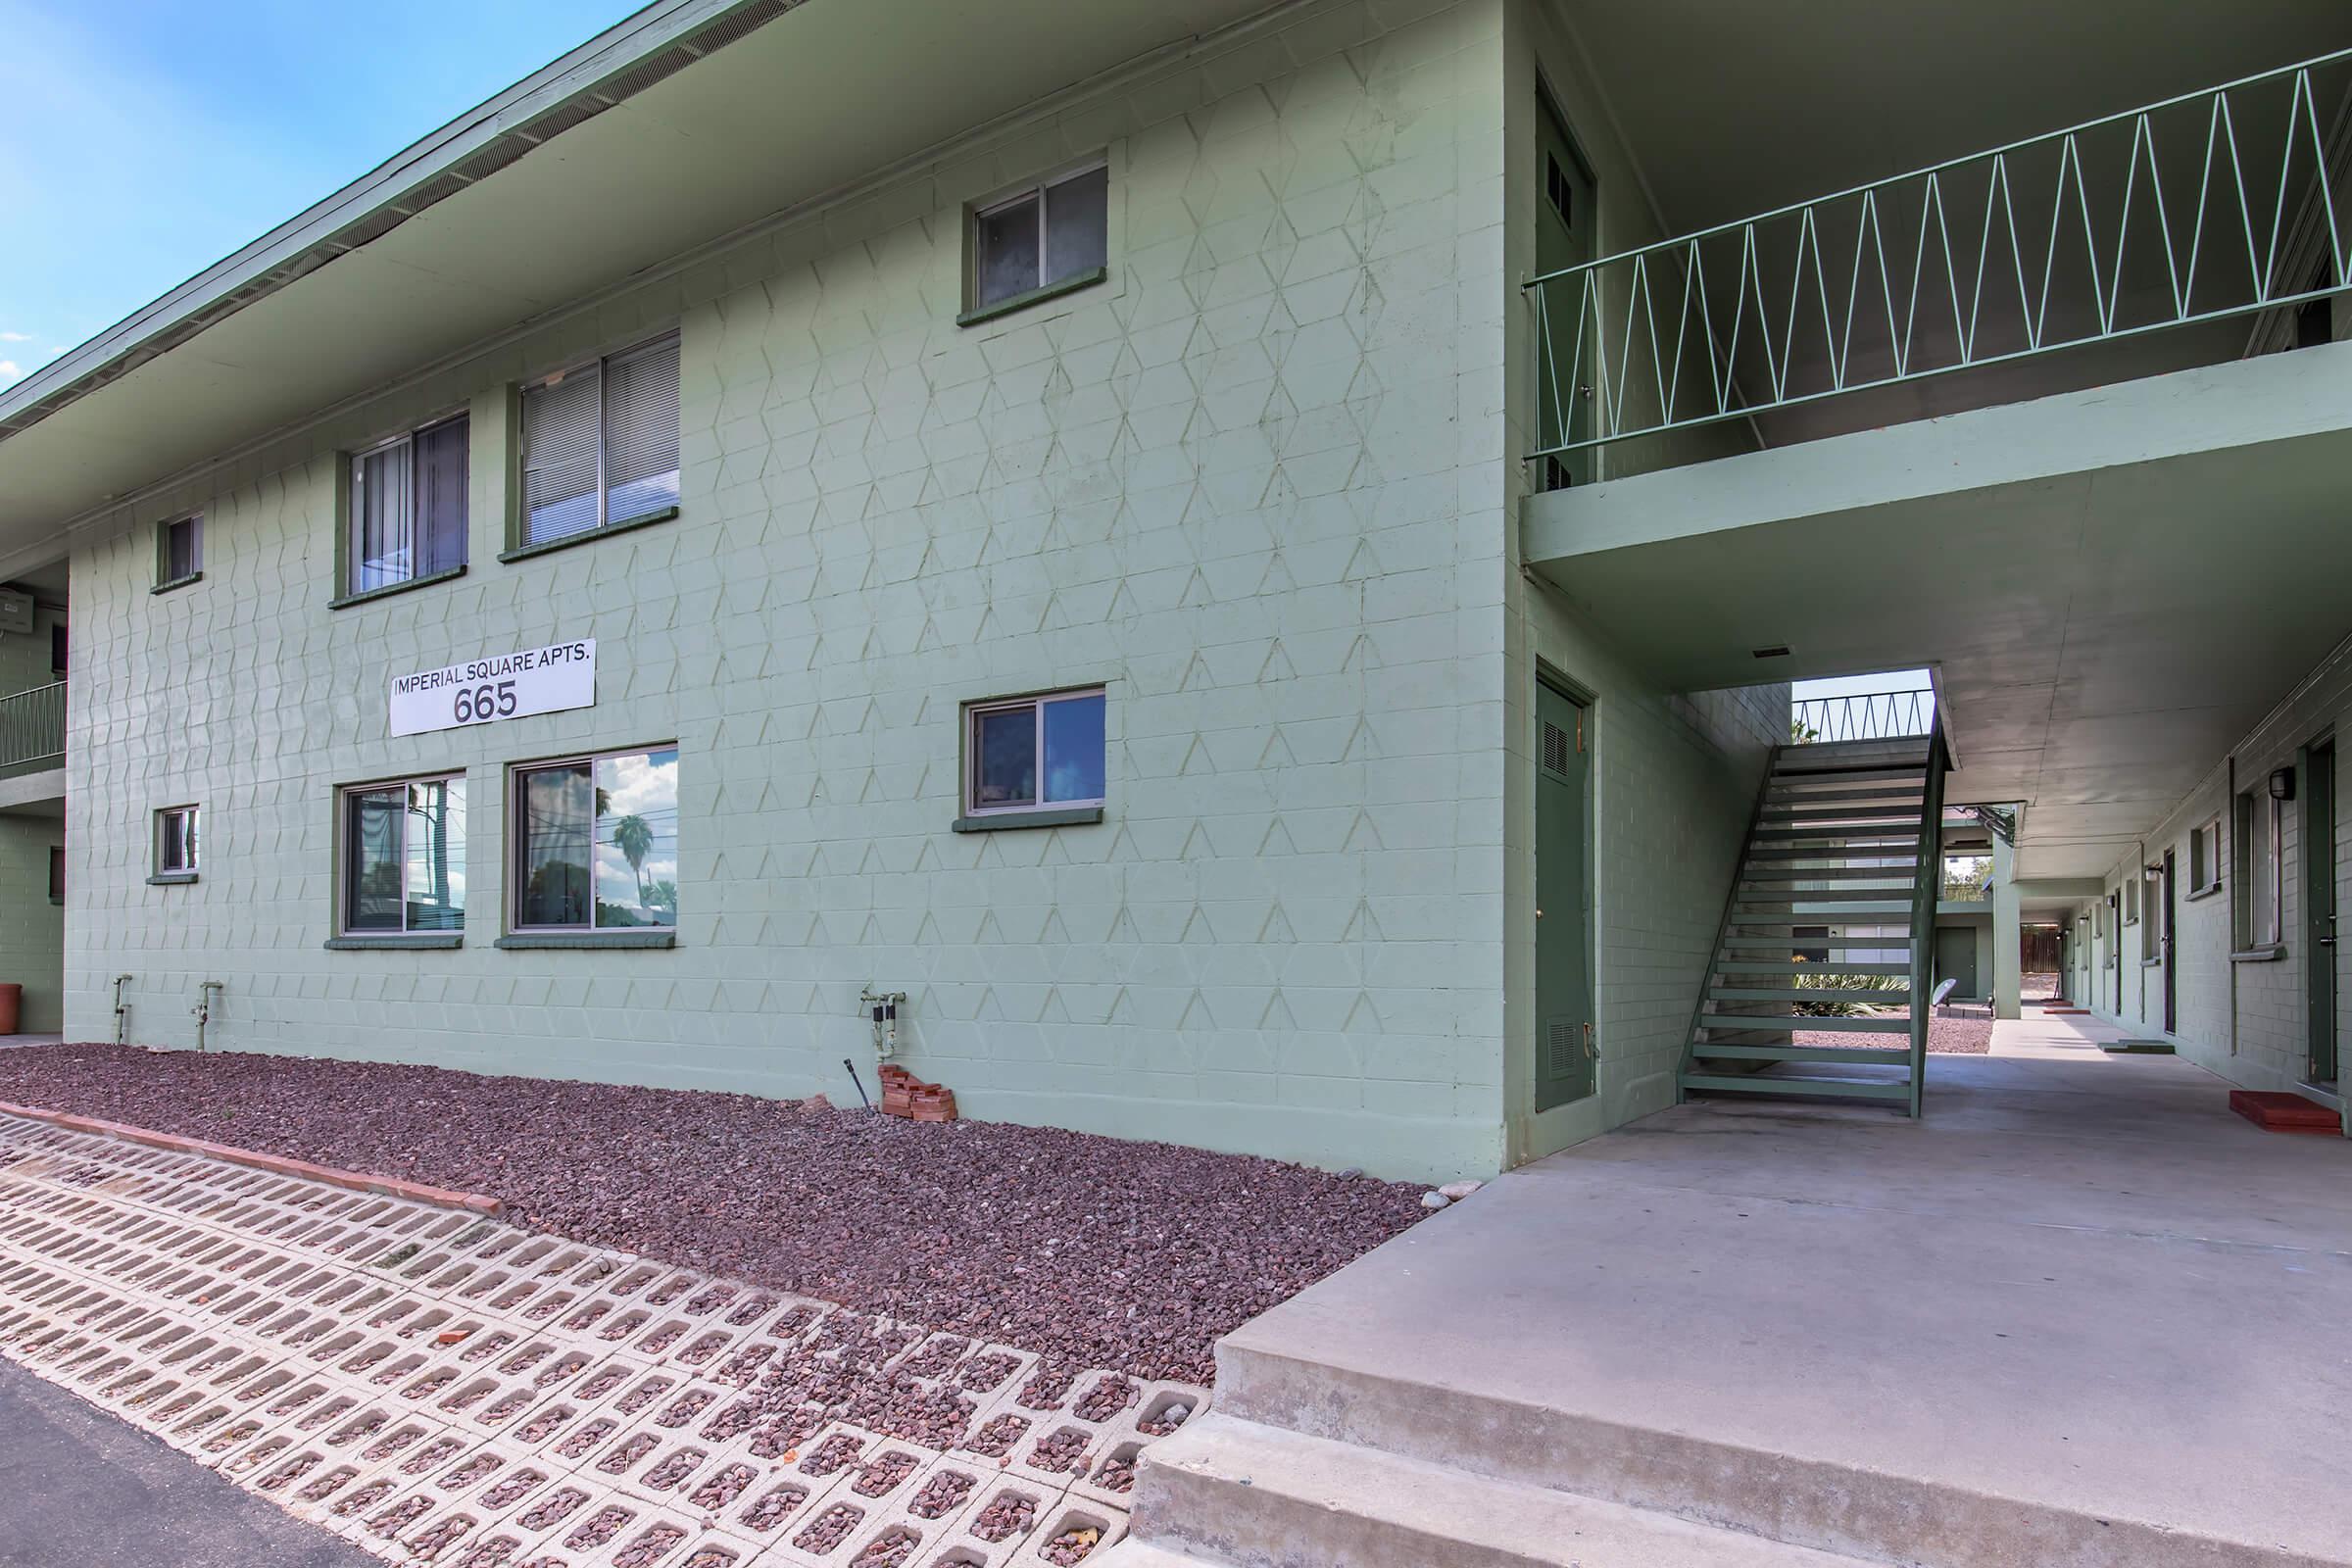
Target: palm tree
x=635 y=841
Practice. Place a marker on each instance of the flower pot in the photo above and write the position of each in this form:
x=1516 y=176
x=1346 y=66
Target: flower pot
x=12 y=1008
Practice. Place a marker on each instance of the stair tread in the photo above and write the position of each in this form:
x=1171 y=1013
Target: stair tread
x=1888 y=897
x=1891 y=1089
x=1849 y=772
x=1783 y=968
x=1883 y=998
x=1272 y=1495
x=1834 y=1026
x=1850 y=1055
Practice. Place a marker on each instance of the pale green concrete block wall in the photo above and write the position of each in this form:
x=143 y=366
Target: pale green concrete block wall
x=1252 y=485
x=1675 y=777
x=33 y=930
x=2244 y=1020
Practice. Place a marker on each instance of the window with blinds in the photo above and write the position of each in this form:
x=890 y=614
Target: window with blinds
x=601 y=443
x=408 y=508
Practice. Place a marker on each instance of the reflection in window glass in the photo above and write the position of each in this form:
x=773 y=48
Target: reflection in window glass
x=1004 y=251
x=435 y=834
x=1076 y=227
x=372 y=857
x=554 y=813
x=1005 y=746
x=596 y=843
x=183 y=549
x=637 y=838
x=1044 y=751
x=403 y=857
x=1044 y=235
x=1075 y=748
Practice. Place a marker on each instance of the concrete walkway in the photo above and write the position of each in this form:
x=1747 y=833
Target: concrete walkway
x=2079 y=1314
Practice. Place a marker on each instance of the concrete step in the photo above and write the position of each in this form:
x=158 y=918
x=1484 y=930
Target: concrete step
x=1242 y=1495
x=1909 y=1515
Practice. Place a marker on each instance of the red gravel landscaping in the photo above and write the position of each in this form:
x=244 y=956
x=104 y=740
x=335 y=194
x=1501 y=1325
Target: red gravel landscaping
x=1951 y=1036
x=1100 y=1252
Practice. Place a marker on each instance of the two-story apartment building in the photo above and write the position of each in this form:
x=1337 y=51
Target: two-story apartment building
x=1245 y=559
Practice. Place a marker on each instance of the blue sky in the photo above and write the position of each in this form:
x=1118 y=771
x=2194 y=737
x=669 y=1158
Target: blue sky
x=142 y=140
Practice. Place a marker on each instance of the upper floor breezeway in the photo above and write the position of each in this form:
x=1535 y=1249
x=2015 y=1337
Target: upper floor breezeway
x=1890 y=214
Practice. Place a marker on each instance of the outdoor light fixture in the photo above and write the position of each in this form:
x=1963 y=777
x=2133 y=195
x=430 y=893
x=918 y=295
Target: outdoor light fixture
x=2282 y=783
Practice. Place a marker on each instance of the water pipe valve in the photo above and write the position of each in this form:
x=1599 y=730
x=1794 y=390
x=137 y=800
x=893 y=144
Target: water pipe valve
x=881 y=1008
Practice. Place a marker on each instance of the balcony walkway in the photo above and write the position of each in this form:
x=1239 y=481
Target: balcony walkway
x=2080 y=1313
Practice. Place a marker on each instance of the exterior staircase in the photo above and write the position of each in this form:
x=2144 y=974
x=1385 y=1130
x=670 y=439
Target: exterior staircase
x=1838 y=881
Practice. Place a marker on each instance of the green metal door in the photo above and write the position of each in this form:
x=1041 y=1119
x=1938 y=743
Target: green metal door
x=1956 y=958
x=1564 y=219
x=1564 y=1047
x=2319 y=906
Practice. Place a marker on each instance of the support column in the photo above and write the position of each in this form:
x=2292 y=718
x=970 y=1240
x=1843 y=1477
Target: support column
x=2007 y=958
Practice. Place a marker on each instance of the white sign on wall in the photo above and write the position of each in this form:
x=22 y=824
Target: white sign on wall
x=529 y=680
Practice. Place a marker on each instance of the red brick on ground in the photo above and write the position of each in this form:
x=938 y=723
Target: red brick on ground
x=1107 y=1253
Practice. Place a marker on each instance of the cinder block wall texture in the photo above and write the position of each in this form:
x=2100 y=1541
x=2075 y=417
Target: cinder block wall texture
x=1249 y=484
x=1261 y=485
x=2242 y=1017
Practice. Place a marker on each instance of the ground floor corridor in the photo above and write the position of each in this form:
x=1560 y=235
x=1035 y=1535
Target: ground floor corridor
x=2080 y=1313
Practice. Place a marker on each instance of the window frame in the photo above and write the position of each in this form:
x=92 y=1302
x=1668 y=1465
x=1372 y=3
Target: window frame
x=191 y=838
x=978 y=310
x=344 y=864
x=519 y=543
x=165 y=582
x=347 y=585
x=973 y=713
x=518 y=842
x=2260 y=908
x=2205 y=858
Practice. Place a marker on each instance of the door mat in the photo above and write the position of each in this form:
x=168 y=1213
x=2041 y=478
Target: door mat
x=2280 y=1112
x=2136 y=1047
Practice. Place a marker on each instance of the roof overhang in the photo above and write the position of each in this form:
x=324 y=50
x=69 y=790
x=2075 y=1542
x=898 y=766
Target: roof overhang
x=692 y=121
x=2113 y=586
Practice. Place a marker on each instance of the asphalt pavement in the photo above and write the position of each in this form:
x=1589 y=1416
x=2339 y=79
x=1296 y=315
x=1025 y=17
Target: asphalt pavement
x=80 y=1488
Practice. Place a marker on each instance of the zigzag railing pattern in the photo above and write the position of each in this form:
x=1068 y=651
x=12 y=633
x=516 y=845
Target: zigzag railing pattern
x=2220 y=203
x=1862 y=716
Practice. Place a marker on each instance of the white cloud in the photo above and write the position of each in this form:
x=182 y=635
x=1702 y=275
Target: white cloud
x=9 y=371
x=16 y=337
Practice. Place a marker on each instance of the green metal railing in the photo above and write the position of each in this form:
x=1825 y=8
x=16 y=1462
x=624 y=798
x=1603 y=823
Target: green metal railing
x=1862 y=716
x=1923 y=912
x=2223 y=202
x=32 y=725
